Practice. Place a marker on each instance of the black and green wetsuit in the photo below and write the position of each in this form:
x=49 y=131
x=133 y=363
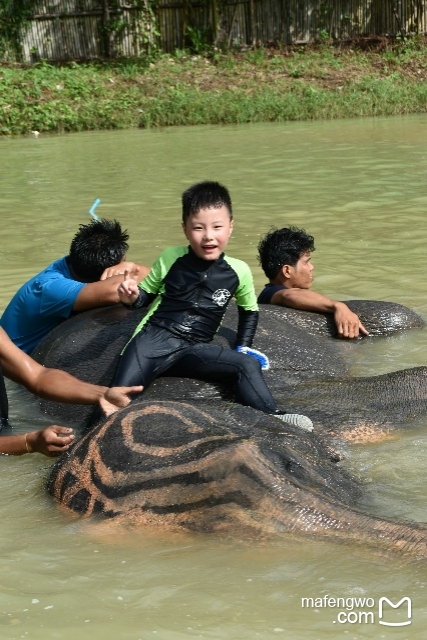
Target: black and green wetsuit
x=189 y=297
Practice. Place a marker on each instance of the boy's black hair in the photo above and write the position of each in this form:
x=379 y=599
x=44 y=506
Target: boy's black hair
x=205 y=195
x=283 y=246
x=97 y=246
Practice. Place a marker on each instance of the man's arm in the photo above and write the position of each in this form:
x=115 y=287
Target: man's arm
x=348 y=323
x=104 y=292
x=58 y=385
x=136 y=271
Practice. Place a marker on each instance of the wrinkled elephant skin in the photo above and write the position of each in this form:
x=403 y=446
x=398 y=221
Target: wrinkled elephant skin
x=218 y=468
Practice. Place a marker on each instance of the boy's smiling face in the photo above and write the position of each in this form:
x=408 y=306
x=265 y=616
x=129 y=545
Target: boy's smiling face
x=208 y=232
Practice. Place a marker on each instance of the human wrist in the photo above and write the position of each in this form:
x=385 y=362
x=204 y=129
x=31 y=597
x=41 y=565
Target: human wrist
x=134 y=301
x=101 y=393
x=30 y=441
x=338 y=306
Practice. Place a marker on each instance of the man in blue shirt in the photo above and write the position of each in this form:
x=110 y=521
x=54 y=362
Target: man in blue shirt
x=284 y=255
x=85 y=279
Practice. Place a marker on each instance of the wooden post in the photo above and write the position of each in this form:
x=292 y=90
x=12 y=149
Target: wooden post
x=106 y=28
x=230 y=34
x=399 y=24
x=253 y=29
x=214 y=22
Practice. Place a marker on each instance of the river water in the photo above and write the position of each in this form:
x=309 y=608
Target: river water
x=360 y=188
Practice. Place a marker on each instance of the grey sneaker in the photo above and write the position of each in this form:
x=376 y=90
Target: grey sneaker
x=296 y=419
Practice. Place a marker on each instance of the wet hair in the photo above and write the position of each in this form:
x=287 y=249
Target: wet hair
x=205 y=195
x=283 y=246
x=97 y=246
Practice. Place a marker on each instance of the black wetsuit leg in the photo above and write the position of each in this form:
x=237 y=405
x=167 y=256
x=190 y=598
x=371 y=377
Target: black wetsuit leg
x=213 y=363
x=154 y=352
x=147 y=356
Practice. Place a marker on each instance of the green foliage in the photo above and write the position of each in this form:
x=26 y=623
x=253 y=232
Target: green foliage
x=257 y=56
x=256 y=86
x=14 y=16
x=142 y=25
x=199 y=39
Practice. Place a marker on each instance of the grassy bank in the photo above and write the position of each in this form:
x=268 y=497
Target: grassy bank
x=184 y=89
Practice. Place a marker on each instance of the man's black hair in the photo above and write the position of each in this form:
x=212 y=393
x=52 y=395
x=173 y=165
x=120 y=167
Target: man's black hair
x=283 y=246
x=97 y=246
x=205 y=195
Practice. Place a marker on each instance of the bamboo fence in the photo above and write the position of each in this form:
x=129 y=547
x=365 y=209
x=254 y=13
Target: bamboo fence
x=88 y=29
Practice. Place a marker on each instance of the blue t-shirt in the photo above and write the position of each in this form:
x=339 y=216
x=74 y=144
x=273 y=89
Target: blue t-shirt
x=41 y=304
x=268 y=292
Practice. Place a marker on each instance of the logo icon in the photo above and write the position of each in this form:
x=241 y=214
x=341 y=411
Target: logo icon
x=394 y=606
x=221 y=297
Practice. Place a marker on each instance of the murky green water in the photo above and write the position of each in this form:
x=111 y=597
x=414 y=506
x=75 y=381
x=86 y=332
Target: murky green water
x=360 y=188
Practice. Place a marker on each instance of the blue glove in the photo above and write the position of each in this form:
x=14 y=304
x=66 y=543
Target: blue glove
x=261 y=357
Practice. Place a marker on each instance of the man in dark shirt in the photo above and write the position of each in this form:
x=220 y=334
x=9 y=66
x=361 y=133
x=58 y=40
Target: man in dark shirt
x=285 y=256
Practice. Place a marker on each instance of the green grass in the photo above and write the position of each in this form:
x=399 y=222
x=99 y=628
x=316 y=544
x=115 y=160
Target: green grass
x=257 y=86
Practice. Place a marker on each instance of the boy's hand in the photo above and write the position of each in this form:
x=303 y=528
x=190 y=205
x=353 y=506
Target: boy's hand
x=348 y=323
x=128 y=289
x=117 y=397
x=119 y=269
x=261 y=357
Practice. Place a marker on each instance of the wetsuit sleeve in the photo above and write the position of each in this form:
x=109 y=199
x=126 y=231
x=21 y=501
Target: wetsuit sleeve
x=246 y=303
x=143 y=300
x=248 y=321
x=152 y=283
x=151 y=288
x=245 y=294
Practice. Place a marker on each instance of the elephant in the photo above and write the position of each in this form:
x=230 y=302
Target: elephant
x=219 y=468
x=208 y=464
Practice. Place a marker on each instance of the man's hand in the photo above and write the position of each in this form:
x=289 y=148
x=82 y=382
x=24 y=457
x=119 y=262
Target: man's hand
x=131 y=268
x=128 y=289
x=348 y=323
x=117 y=397
x=48 y=441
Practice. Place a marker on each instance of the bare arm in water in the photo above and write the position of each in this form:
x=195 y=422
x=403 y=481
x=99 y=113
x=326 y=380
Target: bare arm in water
x=52 y=384
x=347 y=322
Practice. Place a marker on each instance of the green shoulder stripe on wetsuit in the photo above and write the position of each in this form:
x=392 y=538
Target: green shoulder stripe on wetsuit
x=153 y=282
x=245 y=294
